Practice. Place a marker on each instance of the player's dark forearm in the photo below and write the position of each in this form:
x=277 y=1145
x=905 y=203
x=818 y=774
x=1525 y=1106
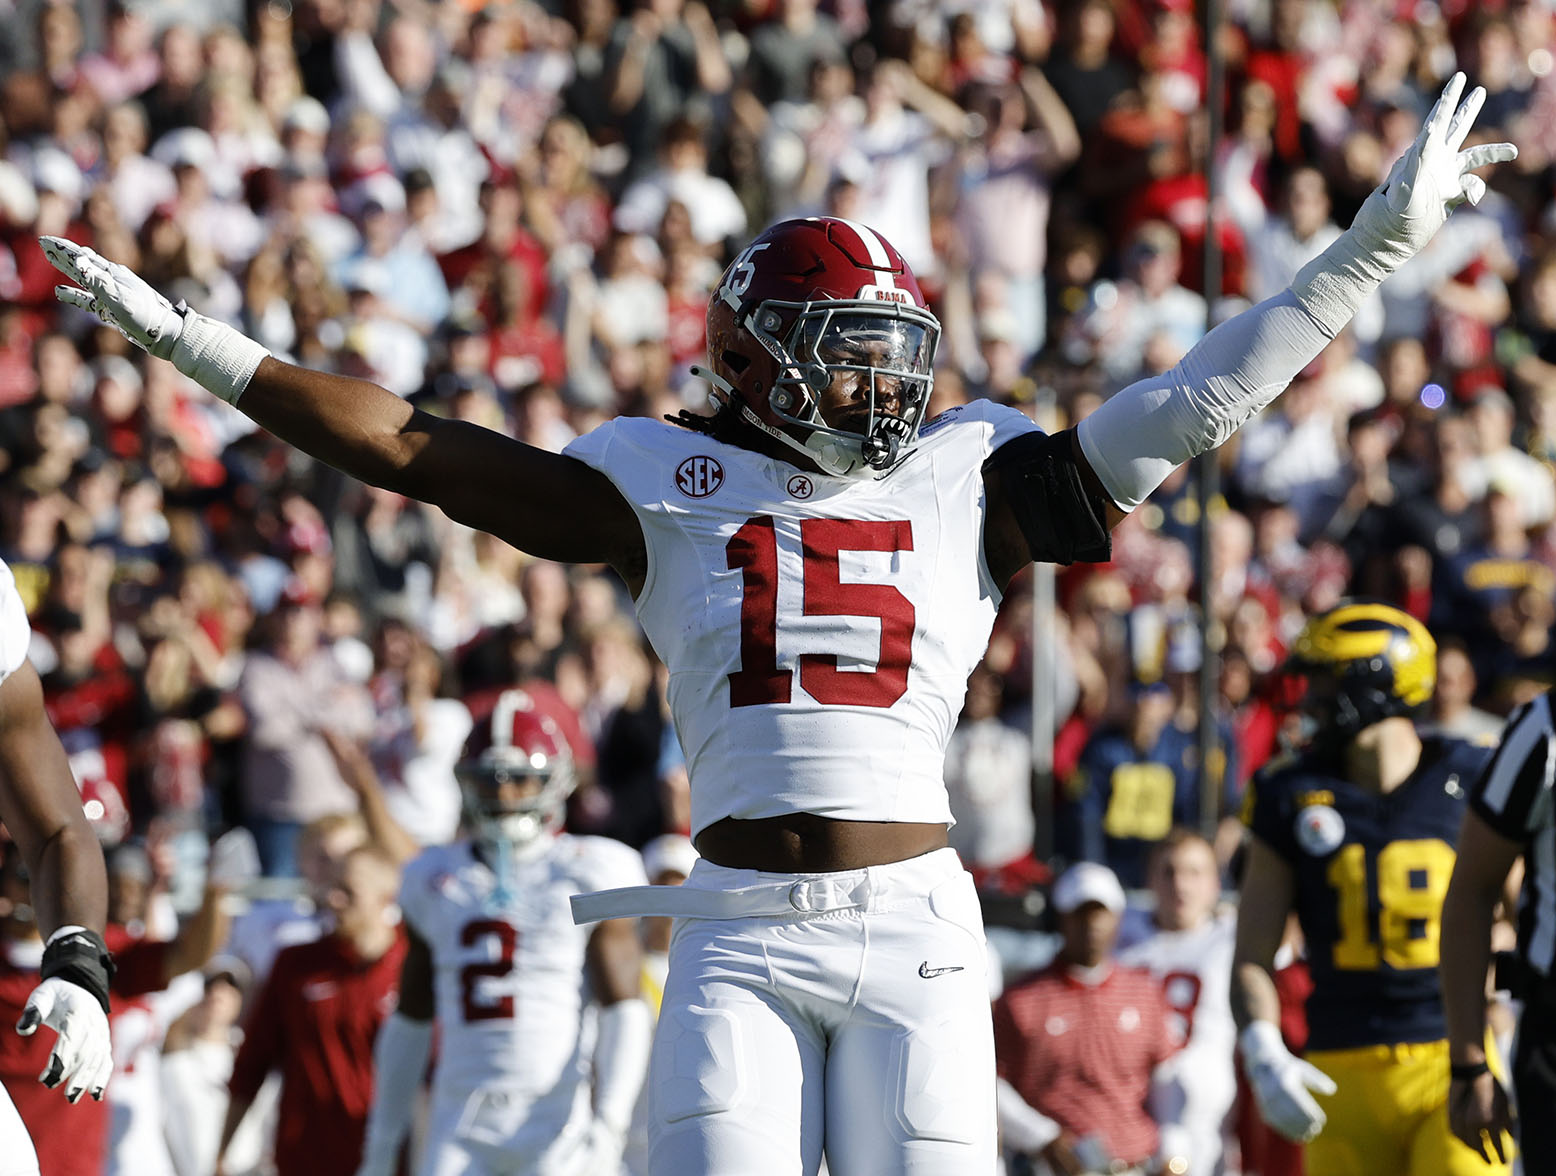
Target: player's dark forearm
x=1254 y=996
x=69 y=882
x=354 y=425
x=1466 y=925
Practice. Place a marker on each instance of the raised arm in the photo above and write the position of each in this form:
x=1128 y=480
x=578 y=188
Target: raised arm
x=1056 y=500
x=1127 y=447
x=479 y=477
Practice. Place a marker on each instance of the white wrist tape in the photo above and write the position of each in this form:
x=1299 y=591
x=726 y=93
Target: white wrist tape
x=215 y=356
x=621 y=1060
x=399 y=1060
x=61 y=932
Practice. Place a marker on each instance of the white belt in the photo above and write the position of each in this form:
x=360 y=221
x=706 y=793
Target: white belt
x=807 y=896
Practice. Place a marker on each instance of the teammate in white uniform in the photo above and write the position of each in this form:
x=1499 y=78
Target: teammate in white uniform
x=1187 y=944
x=42 y=809
x=543 y=1040
x=820 y=580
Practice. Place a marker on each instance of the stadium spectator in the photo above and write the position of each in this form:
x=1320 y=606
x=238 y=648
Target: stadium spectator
x=1079 y=1043
x=786 y=52
x=716 y=214
x=315 y=1018
x=988 y=772
x=1454 y=712
x=1003 y=203
x=661 y=55
x=289 y=690
x=1186 y=943
x=1134 y=782
x=1145 y=322
x=197 y=1055
x=1084 y=72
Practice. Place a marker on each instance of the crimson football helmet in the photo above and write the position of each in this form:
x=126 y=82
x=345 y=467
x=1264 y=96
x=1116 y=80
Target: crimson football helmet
x=518 y=745
x=808 y=302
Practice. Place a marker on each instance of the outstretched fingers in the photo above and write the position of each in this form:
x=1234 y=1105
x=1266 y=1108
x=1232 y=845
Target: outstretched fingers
x=65 y=256
x=1447 y=103
x=1464 y=118
x=72 y=296
x=1486 y=153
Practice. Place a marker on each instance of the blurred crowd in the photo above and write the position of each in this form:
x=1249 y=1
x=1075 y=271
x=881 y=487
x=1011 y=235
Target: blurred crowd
x=513 y=213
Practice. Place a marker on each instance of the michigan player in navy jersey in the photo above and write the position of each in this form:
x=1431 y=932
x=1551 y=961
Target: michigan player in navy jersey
x=1356 y=833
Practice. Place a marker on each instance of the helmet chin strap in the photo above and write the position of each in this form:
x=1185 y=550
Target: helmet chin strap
x=827 y=452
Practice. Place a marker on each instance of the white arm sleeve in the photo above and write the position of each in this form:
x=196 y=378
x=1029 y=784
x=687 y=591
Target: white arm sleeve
x=621 y=1060
x=1143 y=433
x=1022 y=1128
x=399 y=1060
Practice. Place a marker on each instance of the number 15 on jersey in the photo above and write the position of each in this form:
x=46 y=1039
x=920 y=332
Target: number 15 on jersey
x=753 y=551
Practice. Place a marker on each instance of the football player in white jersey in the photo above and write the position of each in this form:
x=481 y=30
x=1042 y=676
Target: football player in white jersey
x=1187 y=944
x=42 y=809
x=819 y=571
x=542 y=1036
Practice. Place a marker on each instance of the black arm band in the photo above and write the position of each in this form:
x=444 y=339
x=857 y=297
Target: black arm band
x=1468 y=1072
x=1062 y=521
x=81 y=958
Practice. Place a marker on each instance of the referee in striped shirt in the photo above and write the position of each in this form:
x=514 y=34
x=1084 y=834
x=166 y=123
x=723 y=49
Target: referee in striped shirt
x=1510 y=815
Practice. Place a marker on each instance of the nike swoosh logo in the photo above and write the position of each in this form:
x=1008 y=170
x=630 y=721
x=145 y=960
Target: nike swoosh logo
x=929 y=973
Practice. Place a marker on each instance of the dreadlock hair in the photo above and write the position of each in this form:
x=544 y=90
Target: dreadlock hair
x=724 y=425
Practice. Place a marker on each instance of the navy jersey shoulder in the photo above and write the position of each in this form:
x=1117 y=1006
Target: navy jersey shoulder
x=1370 y=872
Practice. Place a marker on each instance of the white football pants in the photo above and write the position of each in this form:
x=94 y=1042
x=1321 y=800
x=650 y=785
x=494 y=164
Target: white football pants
x=17 y=1157
x=858 y=1021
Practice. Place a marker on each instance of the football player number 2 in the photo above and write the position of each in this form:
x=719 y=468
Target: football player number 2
x=1412 y=878
x=507 y=939
x=753 y=551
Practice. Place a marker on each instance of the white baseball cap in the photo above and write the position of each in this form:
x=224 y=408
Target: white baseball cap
x=1087 y=882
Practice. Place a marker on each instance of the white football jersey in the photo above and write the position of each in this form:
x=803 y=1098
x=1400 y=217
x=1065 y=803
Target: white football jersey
x=508 y=978
x=818 y=630
x=15 y=632
x=1197 y=1086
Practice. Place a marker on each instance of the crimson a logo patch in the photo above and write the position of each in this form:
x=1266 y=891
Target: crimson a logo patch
x=699 y=476
x=801 y=487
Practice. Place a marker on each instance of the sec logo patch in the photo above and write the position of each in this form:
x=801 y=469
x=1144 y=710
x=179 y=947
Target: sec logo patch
x=698 y=477
x=1320 y=829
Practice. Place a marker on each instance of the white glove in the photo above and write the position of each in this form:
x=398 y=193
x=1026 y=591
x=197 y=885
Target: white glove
x=234 y=860
x=1281 y=1083
x=116 y=294
x=83 y=1056
x=1433 y=178
x=1403 y=213
x=212 y=354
